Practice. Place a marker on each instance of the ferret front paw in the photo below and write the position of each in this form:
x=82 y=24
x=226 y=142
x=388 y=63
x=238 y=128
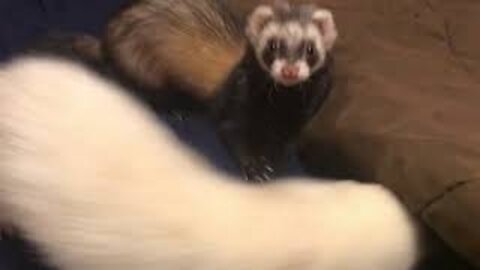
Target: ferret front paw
x=258 y=170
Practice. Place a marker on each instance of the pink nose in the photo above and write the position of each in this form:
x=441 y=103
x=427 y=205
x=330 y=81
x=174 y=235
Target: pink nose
x=290 y=72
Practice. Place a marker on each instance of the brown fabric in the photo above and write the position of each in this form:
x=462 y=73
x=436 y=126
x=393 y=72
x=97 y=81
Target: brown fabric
x=406 y=108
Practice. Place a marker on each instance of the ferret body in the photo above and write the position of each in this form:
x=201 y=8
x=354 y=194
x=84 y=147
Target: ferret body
x=118 y=191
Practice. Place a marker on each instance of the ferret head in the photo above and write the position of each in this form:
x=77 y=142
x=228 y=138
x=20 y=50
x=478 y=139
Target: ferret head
x=291 y=42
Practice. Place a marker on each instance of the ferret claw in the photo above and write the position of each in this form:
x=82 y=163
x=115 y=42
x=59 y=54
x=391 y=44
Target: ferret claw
x=258 y=171
x=269 y=168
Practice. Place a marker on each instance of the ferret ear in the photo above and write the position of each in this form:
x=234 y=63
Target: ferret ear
x=258 y=20
x=326 y=24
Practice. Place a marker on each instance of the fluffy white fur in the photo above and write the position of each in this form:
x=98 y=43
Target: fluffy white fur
x=97 y=183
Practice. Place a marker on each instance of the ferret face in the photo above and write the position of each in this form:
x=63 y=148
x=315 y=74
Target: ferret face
x=290 y=52
x=291 y=43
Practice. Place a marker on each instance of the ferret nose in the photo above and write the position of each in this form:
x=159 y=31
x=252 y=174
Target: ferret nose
x=290 y=72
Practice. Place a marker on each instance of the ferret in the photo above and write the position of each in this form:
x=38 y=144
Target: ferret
x=278 y=86
x=118 y=191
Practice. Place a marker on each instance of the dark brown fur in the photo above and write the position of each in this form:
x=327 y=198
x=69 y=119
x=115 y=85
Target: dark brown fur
x=183 y=42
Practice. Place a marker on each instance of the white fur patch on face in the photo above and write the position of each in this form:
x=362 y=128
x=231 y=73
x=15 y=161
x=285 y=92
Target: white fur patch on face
x=293 y=33
x=304 y=72
x=271 y=30
x=276 y=70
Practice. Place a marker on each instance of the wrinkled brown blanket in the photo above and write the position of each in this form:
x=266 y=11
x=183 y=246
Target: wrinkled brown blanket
x=406 y=108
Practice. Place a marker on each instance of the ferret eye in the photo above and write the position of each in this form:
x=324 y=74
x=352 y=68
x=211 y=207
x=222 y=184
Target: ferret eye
x=273 y=45
x=310 y=49
x=311 y=53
